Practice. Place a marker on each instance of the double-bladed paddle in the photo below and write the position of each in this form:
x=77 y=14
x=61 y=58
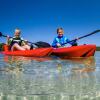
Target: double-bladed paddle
x=39 y=44
x=45 y=44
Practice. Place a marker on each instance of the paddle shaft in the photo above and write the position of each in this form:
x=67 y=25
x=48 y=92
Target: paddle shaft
x=5 y=36
x=96 y=31
x=12 y=37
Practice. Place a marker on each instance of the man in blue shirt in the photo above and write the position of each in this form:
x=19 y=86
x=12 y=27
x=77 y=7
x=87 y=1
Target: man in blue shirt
x=61 y=40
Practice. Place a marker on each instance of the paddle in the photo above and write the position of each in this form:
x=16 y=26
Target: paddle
x=96 y=31
x=39 y=44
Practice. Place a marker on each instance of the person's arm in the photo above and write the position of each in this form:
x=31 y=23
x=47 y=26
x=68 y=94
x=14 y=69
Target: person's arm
x=9 y=40
x=23 y=42
x=56 y=43
x=73 y=43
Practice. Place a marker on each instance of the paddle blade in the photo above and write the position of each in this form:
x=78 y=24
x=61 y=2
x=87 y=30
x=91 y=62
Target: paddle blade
x=42 y=44
x=0 y=34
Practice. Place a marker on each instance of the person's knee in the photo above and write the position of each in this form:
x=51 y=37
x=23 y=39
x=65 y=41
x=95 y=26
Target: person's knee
x=27 y=47
x=18 y=47
x=15 y=45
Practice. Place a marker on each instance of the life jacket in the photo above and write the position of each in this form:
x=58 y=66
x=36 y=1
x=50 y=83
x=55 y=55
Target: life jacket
x=16 y=40
x=61 y=40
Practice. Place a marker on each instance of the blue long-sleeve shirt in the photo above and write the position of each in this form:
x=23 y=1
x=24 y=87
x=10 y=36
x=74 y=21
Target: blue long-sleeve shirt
x=62 y=41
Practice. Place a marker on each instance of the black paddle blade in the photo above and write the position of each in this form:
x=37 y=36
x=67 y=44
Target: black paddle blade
x=42 y=44
x=0 y=34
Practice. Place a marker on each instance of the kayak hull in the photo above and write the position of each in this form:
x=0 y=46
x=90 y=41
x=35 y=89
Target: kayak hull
x=69 y=52
x=38 y=52
x=75 y=51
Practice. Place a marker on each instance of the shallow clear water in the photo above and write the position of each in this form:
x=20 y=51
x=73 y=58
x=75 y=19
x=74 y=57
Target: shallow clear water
x=23 y=78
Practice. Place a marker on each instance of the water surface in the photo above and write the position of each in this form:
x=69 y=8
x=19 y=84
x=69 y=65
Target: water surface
x=23 y=78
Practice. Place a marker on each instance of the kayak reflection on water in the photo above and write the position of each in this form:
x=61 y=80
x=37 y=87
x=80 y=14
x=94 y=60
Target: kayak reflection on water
x=73 y=65
x=86 y=64
x=89 y=64
x=24 y=59
x=16 y=64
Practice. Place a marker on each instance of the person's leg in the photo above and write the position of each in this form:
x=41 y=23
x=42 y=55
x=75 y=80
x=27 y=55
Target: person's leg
x=27 y=47
x=16 y=46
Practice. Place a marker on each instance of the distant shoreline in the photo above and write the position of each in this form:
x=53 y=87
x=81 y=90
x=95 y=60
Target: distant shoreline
x=97 y=48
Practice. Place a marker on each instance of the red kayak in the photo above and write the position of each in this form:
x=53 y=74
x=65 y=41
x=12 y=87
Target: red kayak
x=65 y=52
x=38 y=52
x=75 y=51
